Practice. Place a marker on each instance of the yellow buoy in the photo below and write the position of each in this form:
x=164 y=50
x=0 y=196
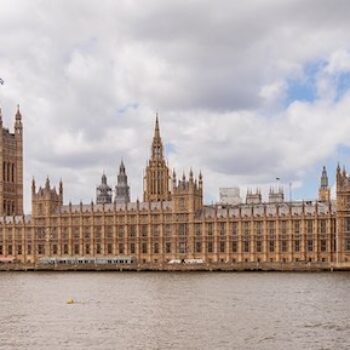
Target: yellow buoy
x=70 y=301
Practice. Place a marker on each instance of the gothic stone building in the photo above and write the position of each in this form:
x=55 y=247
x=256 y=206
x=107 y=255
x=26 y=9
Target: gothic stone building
x=11 y=177
x=172 y=222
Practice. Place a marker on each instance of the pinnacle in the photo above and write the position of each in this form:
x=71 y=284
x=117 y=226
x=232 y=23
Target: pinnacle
x=156 y=129
x=18 y=113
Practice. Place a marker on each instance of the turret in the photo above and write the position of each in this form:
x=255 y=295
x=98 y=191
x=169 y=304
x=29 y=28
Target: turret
x=18 y=126
x=122 y=189
x=276 y=196
x=324 y=191
x=46 y=200
x=103 y=191
x=47 y=183
x=61 y=189
x=191 y=175
x=33 y=186
x=187 y=194
x=174 y=179
x=253 y=198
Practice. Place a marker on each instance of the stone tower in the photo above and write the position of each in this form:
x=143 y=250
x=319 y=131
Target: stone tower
x=324 y=191
x=276 y=195
x=254 y=197
x=11 y=177
x=157 y=177
x=103 y=192
x=187 y=194
x=122 y=190
x=46 y=200
x=343 y=216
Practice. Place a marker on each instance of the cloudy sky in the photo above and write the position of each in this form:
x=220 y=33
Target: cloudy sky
x=246 y=91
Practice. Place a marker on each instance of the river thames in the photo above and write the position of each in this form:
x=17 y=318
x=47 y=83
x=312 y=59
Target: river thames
x=174 y=310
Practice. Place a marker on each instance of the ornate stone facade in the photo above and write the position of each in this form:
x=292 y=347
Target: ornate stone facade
x=173 y=224
x=11 y=158
x=157 y=175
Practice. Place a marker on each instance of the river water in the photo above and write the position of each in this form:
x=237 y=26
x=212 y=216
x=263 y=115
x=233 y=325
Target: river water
x=134 y=310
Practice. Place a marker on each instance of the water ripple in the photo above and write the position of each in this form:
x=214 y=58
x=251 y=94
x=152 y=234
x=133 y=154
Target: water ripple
x=175 y=311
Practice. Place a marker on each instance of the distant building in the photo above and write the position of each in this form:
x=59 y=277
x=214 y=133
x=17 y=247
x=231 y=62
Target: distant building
x=229 y=196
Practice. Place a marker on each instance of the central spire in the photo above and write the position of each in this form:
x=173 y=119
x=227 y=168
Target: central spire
x=157 y=145
x=157 y=177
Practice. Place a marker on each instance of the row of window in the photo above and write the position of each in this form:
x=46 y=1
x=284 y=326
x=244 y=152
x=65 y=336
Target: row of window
x=183 y=230
x=8 y=172
x=9 y=207
x=182 y=247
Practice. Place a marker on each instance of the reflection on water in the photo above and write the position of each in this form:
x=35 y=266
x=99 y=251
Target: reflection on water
x=175 y=310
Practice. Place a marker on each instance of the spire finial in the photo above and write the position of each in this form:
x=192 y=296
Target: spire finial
x=156 y=129
x=18 y=114
x=47 y=184
x=33 y=185
x=104 y=178
x=122 y=167
x=191 y=174
x=61 y=186
x=338 y=169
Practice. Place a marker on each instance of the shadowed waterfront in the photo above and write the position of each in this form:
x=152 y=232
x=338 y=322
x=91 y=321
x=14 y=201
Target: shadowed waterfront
x=177 y=310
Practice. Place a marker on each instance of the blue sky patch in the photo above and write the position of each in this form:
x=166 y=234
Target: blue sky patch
x=169 y=148
x=304 y=89
x=343 y=84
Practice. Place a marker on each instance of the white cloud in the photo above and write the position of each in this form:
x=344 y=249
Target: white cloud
x=89 y=78
x=339 y=62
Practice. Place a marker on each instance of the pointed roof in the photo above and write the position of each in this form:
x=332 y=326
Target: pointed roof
x=156 y=128
x=157 y=146
x=103 y=187
x=18 y=114
x=104 y=179
x=47 y=183
x=122 y=167
x=324 y=178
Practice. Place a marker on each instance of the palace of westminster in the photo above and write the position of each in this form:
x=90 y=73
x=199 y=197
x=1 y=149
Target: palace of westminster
x=171 y=223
